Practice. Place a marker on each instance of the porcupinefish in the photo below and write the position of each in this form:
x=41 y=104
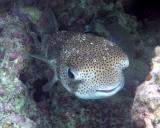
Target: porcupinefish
x=90 y=67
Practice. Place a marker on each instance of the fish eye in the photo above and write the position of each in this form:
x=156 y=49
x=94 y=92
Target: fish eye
x=70 y=74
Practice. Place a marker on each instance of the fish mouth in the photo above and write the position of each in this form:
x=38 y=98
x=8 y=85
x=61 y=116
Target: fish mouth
x=109 y=90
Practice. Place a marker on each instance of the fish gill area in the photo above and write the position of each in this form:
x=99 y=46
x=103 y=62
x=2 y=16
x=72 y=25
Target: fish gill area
x=26 y=27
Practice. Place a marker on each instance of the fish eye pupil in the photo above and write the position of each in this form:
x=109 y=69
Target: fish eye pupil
x=70 y=74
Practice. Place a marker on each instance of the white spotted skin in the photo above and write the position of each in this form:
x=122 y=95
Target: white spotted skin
x=91 y=67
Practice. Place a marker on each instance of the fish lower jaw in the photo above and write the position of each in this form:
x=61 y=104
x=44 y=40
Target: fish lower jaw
x=108 y=90
x=108 y=93
x=100 y=94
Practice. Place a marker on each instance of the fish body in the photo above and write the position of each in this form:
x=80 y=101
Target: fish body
x=90 y=67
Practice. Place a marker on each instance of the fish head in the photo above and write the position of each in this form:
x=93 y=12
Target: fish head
x=91 y=67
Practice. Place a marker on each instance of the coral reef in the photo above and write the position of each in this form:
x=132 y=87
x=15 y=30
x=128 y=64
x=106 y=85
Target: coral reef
x=17 y=107
x=146 y=105
x=13 y=40
x=24 y=104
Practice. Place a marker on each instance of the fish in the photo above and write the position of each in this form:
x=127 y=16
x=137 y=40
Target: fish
x=88 y=66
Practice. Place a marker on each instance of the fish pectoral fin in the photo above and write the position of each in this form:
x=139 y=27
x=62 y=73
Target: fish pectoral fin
x=47 y=87
x=52 y=63
x=39 y=58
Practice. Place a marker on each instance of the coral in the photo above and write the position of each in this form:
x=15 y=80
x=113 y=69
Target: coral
x=13 y=40
x=146 y=105
x=17 y=108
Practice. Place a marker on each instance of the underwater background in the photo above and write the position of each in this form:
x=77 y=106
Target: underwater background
x=27 y=27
